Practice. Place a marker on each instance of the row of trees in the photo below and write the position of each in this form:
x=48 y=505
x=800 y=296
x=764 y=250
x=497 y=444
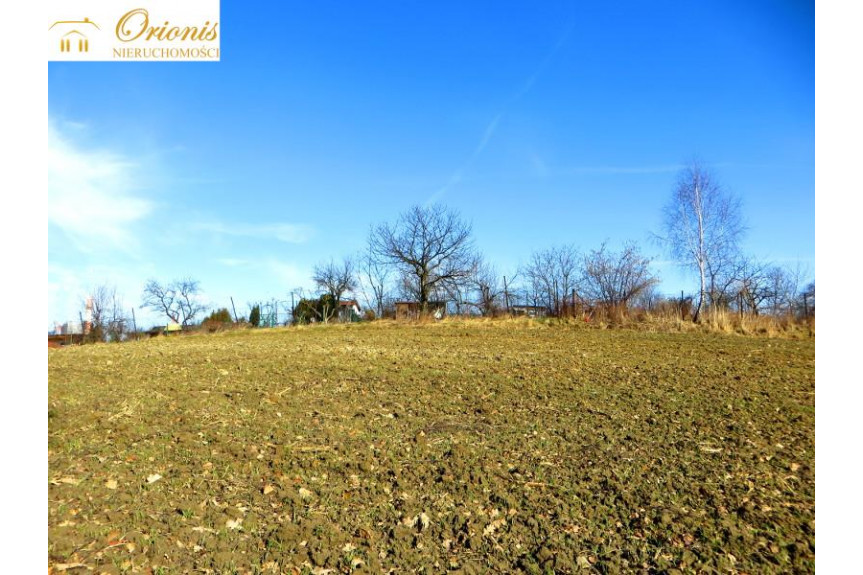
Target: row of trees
x=702 y=229
x=104 y=316
x=428 y=254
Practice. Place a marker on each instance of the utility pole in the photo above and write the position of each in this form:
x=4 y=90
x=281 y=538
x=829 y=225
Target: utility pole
x=505 y=294
x=556 y=299
x=235 y=310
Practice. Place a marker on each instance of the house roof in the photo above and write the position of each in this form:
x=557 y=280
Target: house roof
x=84 y=21
x=348 y=303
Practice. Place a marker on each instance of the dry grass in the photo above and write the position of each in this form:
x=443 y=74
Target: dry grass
x=507 y=446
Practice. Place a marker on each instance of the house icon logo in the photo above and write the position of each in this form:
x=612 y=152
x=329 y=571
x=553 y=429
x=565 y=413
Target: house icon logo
x=74 y=34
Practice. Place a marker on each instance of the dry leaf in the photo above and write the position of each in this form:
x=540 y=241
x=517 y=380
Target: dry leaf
x=153 y=478
x=305 y=493
x=66 y=480
x=493 y=526
x=234 y=524
x=111 y=484
x=268 y=489
x=424 y=521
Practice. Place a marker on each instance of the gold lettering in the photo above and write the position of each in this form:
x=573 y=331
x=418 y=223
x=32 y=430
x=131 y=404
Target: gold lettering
x=135 y=24
x=137 y=21
x=213 y=33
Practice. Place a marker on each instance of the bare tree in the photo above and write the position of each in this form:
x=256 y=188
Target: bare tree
x=431 y=247
x=807 y=301
x=178 y=300
x=374 y=279
x=784 y=284
x=649 y=298
x=752 y=285
x=107 y=318
x=616 y=278
x=161 y=299
x=459 y=292
x=553 y=275
x=702 y=225
x=724 y=281
x=335 y=279
x=486 y=283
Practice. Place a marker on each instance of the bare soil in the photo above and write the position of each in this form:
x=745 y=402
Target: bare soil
x=508 y=447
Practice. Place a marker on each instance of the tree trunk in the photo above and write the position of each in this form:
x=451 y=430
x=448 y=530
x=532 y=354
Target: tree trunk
x=700 y=294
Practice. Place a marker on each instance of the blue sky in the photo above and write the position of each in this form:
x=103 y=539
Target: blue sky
x=541 y=124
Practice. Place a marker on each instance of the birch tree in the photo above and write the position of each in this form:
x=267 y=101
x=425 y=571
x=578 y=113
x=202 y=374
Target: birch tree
x=702 y=226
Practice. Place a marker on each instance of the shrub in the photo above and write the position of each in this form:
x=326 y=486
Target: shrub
x=255 y=316
x=221 y=316
x=217 y=320
x=315 y=310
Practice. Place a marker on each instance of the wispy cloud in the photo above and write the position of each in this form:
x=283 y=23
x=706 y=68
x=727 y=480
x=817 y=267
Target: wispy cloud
x=93 y=197
x=458 y=174
x=288 y=274
x=283 y=232
x=540 y=168
x=232 y=262
x=491 y=127
x=69 y=285
x=619 y=170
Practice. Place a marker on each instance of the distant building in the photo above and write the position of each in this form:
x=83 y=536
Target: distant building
x=68 y=328
x=349 y=310
x=529 y=310
x=172 y=328
x=66 y=333
x=411 y=309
